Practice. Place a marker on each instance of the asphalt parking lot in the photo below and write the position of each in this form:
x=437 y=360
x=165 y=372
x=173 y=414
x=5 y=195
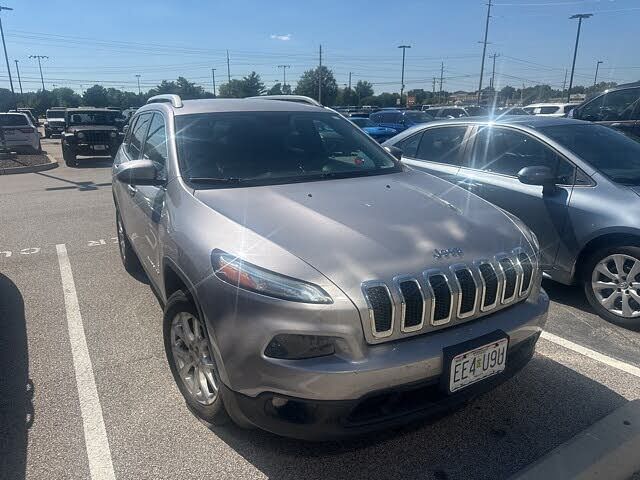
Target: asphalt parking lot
x=583 y=369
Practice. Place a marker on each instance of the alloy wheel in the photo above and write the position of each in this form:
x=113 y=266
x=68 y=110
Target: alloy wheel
x=193 y=358
x=615 y=281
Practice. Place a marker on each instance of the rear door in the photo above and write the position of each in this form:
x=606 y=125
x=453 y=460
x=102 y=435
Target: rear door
x=437 y=150
x=491 y=170
x=618 y=109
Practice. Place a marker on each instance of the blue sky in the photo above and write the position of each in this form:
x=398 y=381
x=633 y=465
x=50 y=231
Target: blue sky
x=109 y=42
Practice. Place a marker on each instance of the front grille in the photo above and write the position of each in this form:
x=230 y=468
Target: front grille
x=444 y=296
x=381 y=307
x=96 y=136
x=441 y=296
x=414 y=304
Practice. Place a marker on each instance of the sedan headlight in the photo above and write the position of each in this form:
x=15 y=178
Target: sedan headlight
x=244 y=275
x=80 y=134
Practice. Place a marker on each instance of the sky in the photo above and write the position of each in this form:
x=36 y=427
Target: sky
x=110 y=42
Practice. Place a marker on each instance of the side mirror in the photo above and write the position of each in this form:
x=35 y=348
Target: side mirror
x=537 y=175
x=139 y=172
x=395 y=151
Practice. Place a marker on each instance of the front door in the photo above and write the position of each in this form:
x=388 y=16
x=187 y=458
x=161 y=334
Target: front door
x=498 y=154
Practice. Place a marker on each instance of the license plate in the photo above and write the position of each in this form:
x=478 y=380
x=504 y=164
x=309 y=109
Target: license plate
x=99 y=147
x=474 y=365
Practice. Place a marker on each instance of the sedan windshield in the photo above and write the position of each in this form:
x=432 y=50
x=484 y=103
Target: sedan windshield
x=362 y=122
x=418 y=117
x=259 y=148
x=92 y=118
x=611 y=152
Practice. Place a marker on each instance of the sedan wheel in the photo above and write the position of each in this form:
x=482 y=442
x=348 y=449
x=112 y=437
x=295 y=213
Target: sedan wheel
x=193 y=358
x=615 y=281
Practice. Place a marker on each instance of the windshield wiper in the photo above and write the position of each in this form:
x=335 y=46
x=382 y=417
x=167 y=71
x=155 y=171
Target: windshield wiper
x=216 y=181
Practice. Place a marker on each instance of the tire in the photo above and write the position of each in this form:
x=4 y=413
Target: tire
x=130 y=260
x=47 y=134
x=208 y=406
x=69 y=157
x=608 y=260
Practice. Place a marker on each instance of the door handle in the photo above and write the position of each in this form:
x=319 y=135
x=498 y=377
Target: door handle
x=132 y=190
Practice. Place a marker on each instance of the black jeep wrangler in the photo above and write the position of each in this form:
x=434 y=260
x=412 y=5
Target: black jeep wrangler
x=90 y=132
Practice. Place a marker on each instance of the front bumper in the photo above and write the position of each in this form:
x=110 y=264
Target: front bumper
x=93 y=150
x=323 y=420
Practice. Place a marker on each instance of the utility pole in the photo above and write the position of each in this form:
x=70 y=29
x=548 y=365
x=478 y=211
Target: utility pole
x=284 y=74
x=4 y=46
x=349 y=80
x=40 y=57
x=19 y=81
x=138 y=77
x=213 y=79
x=493 y=72
x=579 y=16
x=522 y=95
x=404 y=49
x=484 y=50
x=434 y=87
x=595 y=79
x=564 y=84
x=441 y=80
x=320 y=77
x=228 y=68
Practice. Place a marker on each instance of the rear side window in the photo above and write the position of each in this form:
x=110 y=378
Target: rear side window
x=137 y=135
x=442 y=145
x=612 y=106
x=409 y=145
x=9 y=120
x=548 y=110
x=155 y=147
x=453 y=112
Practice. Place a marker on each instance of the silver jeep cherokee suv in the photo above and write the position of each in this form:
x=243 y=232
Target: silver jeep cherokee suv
x=312 y=285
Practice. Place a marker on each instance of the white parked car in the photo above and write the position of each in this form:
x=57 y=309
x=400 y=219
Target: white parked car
x=550 y=109
x=20 y=135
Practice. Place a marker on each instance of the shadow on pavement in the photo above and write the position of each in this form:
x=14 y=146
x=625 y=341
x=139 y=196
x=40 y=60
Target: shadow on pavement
x=16 y=388
x=80 y=186
x=571 y=296
x=93 y=162
x=493 y=437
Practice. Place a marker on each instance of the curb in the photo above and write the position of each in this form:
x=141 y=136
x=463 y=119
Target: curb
x=608 y=449
x=31 y=168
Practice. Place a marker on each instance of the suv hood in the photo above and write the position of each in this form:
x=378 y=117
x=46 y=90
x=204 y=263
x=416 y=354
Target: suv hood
x=84 y=128
x=358 y=229
x=55 y=120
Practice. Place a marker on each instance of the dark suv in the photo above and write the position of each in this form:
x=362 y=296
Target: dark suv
x=90 y=132
x=618 y=107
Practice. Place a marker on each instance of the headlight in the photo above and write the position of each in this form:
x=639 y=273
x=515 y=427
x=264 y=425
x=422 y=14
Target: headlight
x=246 y=276
x=80 y=134
x=114 y=134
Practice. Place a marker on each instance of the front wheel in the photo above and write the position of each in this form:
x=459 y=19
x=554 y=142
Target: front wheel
x=127 y=255
x=69 y=157
x=190 y=356
x=612 y=285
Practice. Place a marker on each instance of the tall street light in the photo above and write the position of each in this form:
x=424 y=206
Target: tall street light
x=40 y=57
x=579 y=16
x=4 y=46
x=19 y=81
x=138 y=77
x=404 y=49
x=595 y=79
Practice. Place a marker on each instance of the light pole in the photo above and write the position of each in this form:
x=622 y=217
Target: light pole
x=19 y=81
x=284 y=74
x=40 y=57
x=579 y=16
x=404 y=49
x=213 y=78
x=484 y=50
x=4 y=46
x=595 y=79
x=138 y=77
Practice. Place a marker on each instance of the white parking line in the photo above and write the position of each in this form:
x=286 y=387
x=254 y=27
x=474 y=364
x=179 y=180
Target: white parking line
x=612 y=362
x=95 y=434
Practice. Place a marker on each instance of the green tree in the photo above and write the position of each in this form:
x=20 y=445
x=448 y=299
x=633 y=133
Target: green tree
x=507 y=93
x=309 y=81
x=420 y=94
x=96 y=96
x=66 y=97
x=248 y=86
x=183 y=87
x=7 y=100
x=275 y=90
x=363 y=89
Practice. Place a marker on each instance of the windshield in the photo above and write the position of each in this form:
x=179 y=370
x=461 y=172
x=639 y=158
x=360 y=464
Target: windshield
x=477 y=111
x=8 y=120
x=57 y=114
x=611 y=152
x=418 y=117
x=362 y=122
x=275 y=147
x=92 y=118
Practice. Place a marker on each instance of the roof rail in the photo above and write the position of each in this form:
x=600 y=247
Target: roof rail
x=175 y=100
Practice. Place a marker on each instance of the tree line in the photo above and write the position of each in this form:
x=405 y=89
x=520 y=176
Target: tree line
x=362 y=93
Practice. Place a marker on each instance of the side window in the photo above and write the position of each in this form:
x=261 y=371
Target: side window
x=138 y=131
x=549 y=109
x=155 y=147
x=409 y=145
x=504 y=151
x=375 y=117
x=442 y=145
x=617 y=105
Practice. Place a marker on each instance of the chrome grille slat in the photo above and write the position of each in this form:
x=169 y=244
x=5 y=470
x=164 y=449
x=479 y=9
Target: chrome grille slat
x=442 y=296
